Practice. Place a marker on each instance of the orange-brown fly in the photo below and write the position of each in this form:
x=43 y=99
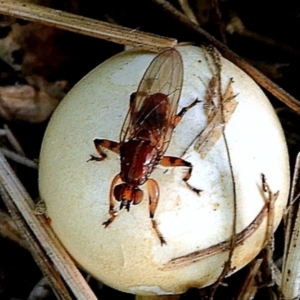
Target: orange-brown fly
x=146 y=134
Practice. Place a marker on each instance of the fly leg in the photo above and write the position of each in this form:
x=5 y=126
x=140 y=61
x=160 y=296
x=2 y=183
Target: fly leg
x=171 y=161
x=180 y=115
x=100 y=144
x=112 y=201
x=153 y=191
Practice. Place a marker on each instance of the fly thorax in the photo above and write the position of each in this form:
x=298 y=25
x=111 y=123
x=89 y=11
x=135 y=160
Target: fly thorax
x=138 y=159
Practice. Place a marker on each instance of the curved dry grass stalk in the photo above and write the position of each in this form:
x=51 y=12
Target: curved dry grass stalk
x=86 y=26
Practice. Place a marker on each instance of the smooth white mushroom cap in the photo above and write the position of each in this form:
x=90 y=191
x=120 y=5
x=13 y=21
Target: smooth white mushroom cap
x=127 y=255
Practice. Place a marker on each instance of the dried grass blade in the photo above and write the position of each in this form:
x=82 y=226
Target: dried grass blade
x=193 y=257
x=83 y=25
x=290 y=283
x=37 y=252
x=41 y=231
x=20 y=159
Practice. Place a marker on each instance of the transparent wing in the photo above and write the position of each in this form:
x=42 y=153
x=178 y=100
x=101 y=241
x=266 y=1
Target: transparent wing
x=154 y=105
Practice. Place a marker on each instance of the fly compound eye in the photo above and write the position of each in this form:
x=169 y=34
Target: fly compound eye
x=137 y=196
x=118 y=192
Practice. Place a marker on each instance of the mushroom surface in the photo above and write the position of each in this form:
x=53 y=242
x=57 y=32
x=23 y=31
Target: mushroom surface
x=127 y=255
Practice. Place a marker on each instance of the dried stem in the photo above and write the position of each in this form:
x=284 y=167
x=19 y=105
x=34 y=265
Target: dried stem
x=290 y=286
x=42 y=261
x=41 y=241
x=260 y=78
x=119 y=34
x=271 y=198
x=20 y=159
x=13 y=141
x=83 y=25
x=233 y=239
x=194 y=257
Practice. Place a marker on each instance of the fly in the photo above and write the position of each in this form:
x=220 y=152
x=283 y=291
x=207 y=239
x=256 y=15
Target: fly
x=145 y=136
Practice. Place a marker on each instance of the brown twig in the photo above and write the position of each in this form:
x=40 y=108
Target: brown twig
x=260 y=78
x=194 y=257
x=83 y=25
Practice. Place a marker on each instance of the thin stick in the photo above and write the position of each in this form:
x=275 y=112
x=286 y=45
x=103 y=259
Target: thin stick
x=259 y=77
x=241 y=237
x=20 y=159
x=83 y=25
x=293 y=206
x=233 y=239
x=13 y=141
x=42 y=261
x=268 y=272
x=21 y=206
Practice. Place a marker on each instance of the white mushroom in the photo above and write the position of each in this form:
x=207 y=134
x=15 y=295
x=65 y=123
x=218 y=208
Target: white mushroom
x=127 y=255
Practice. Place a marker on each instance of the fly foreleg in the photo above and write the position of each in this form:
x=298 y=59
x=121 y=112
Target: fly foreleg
x=107 y=144
x=180 y=115
x=112 y=201
x=153 y=191
x=171 y=161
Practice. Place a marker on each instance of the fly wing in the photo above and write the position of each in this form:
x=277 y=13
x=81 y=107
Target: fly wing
x=154 y=105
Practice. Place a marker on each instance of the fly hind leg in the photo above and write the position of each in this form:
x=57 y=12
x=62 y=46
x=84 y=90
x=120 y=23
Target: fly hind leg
x=153 y=191
x=107 y=144
x=171 y=161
